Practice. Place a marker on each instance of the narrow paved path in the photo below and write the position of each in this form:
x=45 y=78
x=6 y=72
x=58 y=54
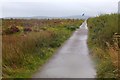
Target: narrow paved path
x=72 y=60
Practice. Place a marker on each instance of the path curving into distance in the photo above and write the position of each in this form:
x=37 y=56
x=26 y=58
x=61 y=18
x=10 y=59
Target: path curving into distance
x=72 y=60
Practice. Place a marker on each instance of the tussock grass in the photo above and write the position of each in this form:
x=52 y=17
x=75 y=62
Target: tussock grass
x=103 y=44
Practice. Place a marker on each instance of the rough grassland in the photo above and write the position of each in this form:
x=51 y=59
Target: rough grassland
x=103 y=44
x=24 y=52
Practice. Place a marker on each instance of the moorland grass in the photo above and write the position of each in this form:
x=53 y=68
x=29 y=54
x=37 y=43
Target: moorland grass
x=23 y=53
x=103 y=46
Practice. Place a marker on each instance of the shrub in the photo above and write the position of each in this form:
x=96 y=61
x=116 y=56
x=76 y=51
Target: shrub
x=11 y=30
x=27 y=29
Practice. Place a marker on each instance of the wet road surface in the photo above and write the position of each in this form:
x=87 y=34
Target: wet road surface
x=72 y=60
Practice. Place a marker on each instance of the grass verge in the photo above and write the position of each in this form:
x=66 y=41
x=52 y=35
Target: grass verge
x=103 y=44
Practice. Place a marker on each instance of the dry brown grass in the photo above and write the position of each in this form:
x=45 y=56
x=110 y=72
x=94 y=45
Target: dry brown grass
x=15 y=47
x=113 y=51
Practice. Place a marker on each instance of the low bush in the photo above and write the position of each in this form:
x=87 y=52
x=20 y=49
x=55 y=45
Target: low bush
x=11 y=30
x=27 y=29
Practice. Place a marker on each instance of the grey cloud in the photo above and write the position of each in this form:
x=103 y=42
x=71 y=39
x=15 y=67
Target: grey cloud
x=26 y=9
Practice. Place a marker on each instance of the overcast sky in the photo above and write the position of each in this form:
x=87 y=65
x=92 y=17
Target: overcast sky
x=26 y=8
